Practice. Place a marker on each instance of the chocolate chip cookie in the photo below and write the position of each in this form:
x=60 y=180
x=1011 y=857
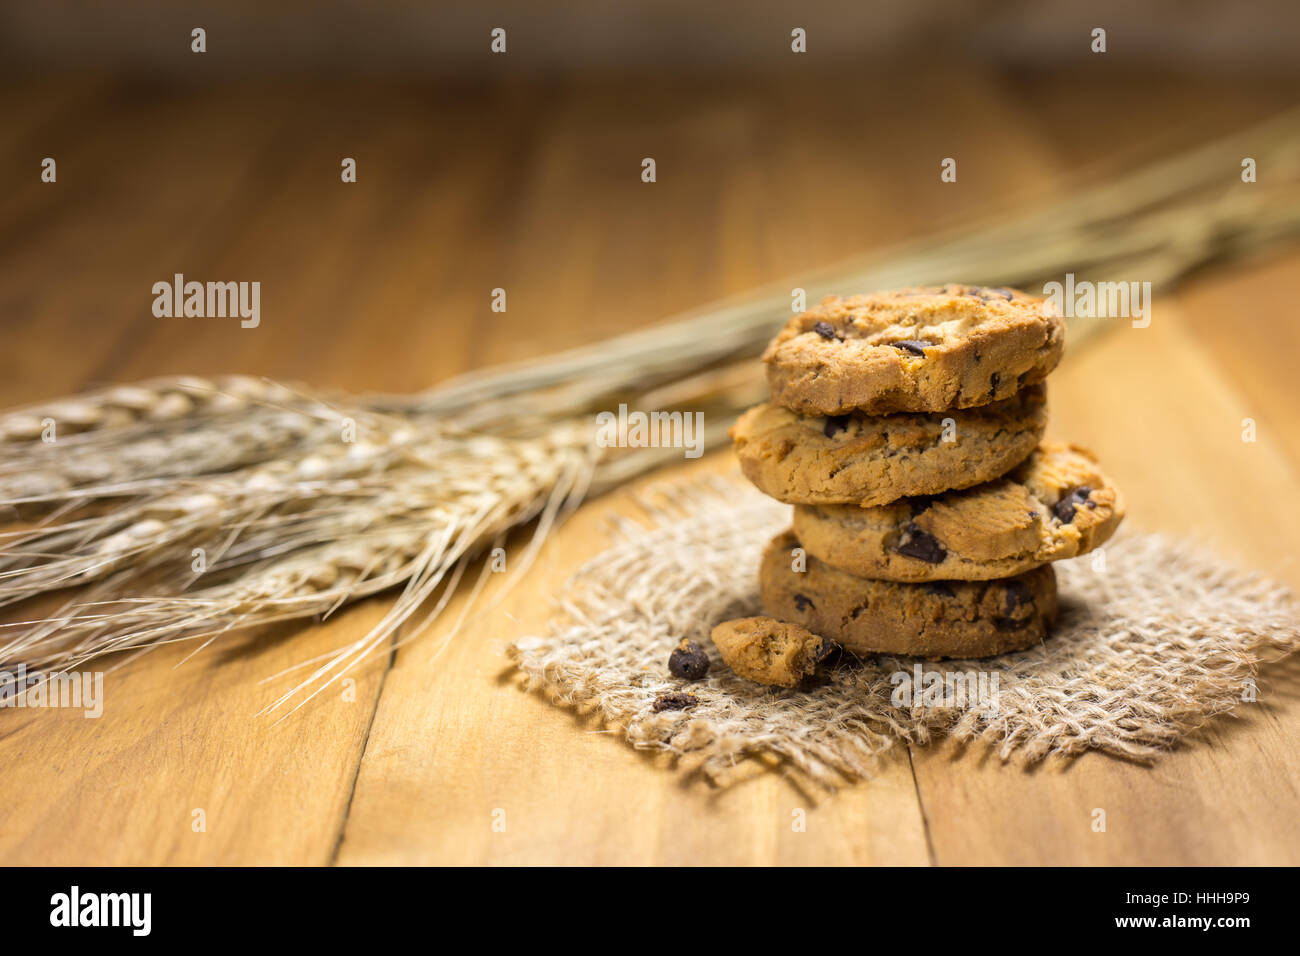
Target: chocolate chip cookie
x=771 y=652
x=935 y=620
x=867 y=460
x=1055 y=505
x=913 y=350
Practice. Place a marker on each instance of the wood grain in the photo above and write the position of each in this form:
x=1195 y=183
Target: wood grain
x=532 y=185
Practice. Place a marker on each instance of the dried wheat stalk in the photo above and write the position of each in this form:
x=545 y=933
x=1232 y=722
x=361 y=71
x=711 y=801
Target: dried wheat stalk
x=285 y=538
x=294 y=521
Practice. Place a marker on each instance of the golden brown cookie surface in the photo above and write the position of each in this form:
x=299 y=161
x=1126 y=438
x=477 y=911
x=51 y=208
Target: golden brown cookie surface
x=935 y=619
x=868 y=460
x=769 y=651
x=913 y=350
x=1057 y=504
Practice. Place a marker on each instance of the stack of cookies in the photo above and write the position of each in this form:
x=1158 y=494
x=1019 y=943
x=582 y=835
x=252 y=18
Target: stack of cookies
x=906 y=428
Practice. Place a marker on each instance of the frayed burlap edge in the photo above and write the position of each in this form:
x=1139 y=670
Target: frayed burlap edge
x=1154 y=638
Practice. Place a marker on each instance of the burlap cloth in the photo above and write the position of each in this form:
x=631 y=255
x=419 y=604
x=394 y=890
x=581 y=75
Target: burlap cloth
x=1146 y=649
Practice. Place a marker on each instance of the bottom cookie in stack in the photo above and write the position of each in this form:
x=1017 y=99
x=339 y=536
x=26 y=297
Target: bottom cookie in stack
x=936 y=619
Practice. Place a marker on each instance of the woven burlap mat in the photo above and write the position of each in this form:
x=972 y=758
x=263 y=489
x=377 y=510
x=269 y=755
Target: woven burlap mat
x=1152 y=641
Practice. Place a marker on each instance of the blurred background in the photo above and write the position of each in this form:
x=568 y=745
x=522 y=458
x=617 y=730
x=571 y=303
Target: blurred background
x=521 y=170
x=429 y=39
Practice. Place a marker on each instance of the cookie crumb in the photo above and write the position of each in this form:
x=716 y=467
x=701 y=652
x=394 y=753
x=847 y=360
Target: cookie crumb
x=674 y=701
x=688 y=661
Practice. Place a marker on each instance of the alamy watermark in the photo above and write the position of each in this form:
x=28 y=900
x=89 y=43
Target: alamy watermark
x=82 y=690
x=133 y=911
x=944 y=688
x=637 y=429
x=208 y=300
x=1101 y=300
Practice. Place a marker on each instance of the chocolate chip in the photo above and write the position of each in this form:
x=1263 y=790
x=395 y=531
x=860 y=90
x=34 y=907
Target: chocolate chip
x=1065 y=508
x=1017 y=594
x=825 y=330
x=994 y=379
x=914 y=346
x=825 y=651
x=1010 y=624
x=674 y=701
x=920 y=545
x=803 y=604
x=835 y=423
x=939 y=589
x=688 y=661
x=984 y=294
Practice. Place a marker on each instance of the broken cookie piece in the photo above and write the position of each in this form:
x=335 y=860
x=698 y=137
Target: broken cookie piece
x=674 y=701
x=769 y=651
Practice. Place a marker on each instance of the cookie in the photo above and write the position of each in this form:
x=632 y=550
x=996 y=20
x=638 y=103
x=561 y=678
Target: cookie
x=1055 y=505
x=771 y=652
x=913 y=350
x=867 y=460
x=936 y=619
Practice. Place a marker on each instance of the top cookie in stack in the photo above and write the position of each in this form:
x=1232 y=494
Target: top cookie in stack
x=906 y=427
x=913 y=350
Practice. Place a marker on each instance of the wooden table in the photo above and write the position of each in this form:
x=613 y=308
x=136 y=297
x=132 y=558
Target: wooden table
x=534 y=186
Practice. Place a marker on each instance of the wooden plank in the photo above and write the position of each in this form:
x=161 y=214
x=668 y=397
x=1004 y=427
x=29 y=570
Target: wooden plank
x=377 y=285
x=1245 y=320
x=76 y=301
x=1101 y=118
x=179 y=737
